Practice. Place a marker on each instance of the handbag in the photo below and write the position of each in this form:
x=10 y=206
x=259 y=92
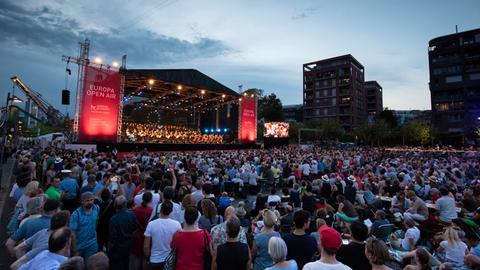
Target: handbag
x=207 y=256
x=170 y=260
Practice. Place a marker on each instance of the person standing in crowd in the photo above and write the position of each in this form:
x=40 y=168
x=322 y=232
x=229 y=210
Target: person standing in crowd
x=446 y=207
x=233 y=254
x=84 y=222
x=158 y=235
x=58 y=252
x=53 y=191
x=127 y=186
x=330 y=242
x=301 y=246
x=32 y=226
x=98 y=261
x=191 y=244
x=277 y=249
x=91 y=183
x=219 y=234
x=107 y=210
x=260 y=254
x=353 y=254
x=377 y=253
x=418 y=210
x=32 y=246
x=209 y=217
x=69 y=188
x=142 y=214
x=121 y=228
x=176 y=214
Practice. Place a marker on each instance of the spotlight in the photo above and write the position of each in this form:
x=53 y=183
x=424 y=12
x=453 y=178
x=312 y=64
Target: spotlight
x=206 y=130
x=223 y=96
x=97 y=60
x=240 y=99
x=225 y=130
x=252 y=95
x=218 y=130
x=179 y=87
x=151 y=81
x=212 y=130
x=115 y=64
x=202 y=92
x=245 y=94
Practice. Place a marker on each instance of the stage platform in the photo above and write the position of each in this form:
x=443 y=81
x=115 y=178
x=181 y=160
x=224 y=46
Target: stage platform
x=155 y=147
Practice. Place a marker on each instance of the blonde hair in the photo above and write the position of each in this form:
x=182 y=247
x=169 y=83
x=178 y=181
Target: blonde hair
x=269 y=218
x=31 y=187
x=451 y=235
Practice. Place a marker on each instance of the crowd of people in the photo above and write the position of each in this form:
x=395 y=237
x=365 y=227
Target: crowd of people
x=288 y=208
x=155 y=133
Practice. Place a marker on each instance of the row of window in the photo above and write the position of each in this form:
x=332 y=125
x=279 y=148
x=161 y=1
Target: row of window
x=447 y=106
x=459 y=78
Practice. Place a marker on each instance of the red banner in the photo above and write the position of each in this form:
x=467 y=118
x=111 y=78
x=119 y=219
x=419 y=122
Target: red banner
x=100 y=105
x=247 y=131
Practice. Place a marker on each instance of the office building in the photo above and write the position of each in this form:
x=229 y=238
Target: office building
x=374 y=98
x=293 y=112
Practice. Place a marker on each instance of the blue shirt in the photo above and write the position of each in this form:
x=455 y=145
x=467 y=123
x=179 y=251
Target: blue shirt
x=45 y=260
x=263 y=259
x=475 y=250
x=85 y=226
x=31 y=227
x=100 y=185
x=70 y=187
x=291 y=266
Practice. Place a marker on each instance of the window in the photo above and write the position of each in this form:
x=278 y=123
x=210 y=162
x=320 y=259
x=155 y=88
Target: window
x=317 y=112
x=452 y=79
x=325 y=111
x=442 y=106
x=475 y=76
x=334 y=92
x=317 y=94
x=334 y=101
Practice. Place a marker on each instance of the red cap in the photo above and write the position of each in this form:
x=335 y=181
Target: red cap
x=330 y=238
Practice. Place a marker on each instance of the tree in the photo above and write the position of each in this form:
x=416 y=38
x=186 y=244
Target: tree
x=416 y=132
x=374 y=133
x=329 y=130
x=270 y=108
x=388 y=116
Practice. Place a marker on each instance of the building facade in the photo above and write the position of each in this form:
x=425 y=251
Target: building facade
x=403 y=116
x=374 y=94
x=333 y=90
x=293 y=112
x=454 y=62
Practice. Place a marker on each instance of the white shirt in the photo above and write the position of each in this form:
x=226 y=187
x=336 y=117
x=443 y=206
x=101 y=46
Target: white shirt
x=318 y=265
x=306 y=169
x=273 y=198
x=456 y=253
x=161 y=231
x=176 y=213
x=412 y=233
x=155 y=199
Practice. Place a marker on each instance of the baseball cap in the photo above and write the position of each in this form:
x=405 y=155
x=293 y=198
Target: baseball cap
x=330 y=238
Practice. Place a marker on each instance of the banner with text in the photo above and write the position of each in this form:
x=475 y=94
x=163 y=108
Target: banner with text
x=100 y=105
x=247 y=131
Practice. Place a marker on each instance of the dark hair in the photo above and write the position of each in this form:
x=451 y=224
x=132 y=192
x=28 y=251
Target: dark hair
x=359 y=230
x=273 y=191
x=146 y=198
x=444 y=191
x=207 y=188
x=106 y=195
x=340 y=198
x=166 y=208
x=98 y=261
x=191 y=215
x=59 y=220
x=232 y=227
x=168 y=193
x=59 y=239
x=149 y=182
x=300 y=218
x=309 y=188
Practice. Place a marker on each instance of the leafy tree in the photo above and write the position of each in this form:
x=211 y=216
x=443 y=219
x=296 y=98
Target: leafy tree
x=374 y=133
x=388 y=116
x=417 y=132
x=270 y=108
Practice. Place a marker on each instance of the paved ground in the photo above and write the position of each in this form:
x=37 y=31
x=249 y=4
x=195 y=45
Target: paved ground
x=6 y=207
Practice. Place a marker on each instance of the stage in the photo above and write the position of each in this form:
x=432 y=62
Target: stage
x=155 y=147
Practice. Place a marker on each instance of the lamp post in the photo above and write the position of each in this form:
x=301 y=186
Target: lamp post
x=5 y=124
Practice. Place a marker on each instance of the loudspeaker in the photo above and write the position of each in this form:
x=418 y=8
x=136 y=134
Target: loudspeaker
x=65 y=97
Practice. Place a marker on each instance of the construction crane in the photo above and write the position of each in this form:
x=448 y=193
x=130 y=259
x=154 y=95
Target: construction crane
x=53 y=116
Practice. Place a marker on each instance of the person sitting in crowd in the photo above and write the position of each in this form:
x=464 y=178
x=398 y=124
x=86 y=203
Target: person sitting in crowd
x=418 y=210
x=446 y=207
x=380 y=219
x=346 y=211
x=409 y=241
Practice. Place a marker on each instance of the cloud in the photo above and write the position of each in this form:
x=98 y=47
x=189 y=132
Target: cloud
x=48 y=29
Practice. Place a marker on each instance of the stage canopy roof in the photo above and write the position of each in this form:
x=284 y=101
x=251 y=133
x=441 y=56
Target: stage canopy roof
x=175 y=89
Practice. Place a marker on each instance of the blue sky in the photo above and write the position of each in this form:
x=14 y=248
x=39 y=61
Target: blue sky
x=260 y=44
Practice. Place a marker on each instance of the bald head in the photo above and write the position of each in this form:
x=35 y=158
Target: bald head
x=229 y=212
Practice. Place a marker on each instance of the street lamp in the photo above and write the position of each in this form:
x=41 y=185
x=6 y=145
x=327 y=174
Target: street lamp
x=13 y=99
